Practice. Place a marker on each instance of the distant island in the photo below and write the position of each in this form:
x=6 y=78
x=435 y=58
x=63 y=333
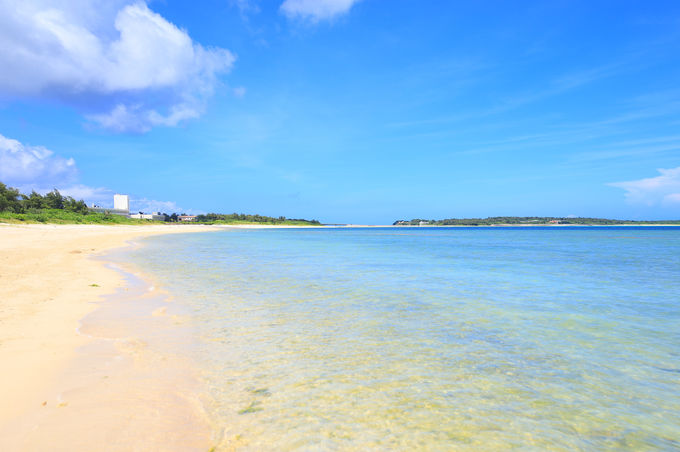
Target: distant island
x=528 y=221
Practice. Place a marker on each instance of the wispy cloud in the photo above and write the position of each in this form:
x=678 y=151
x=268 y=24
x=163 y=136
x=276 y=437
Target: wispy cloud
x=606 y=139
x=246 y=6
x=132 y=68
x=559 y=85
x=136 y=118
x=662 y=189
x=316 y=10
x=151 y=205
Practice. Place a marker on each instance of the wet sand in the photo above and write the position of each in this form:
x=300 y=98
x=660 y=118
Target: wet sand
x=76 y=370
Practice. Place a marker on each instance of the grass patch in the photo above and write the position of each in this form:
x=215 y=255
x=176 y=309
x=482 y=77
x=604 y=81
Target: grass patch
x=60 y=216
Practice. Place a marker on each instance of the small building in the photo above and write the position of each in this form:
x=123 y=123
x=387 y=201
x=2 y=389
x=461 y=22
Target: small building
x=186 y=218
x=157 y=216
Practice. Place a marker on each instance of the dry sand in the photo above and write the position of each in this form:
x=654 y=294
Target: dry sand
x=63 y=390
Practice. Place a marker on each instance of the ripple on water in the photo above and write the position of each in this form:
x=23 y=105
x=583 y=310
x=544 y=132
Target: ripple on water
x=434 y=339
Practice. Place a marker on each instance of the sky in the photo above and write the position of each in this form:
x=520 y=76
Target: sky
x=346 y=111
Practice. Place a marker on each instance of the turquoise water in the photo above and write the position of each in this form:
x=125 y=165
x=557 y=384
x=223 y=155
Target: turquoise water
x=433 y=338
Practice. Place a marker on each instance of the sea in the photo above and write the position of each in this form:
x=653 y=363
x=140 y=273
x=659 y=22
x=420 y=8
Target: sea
x=422 y=338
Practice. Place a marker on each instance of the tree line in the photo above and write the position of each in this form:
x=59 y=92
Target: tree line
x=11 y=200
x=244 y=218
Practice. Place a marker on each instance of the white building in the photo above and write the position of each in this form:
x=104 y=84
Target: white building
x=121 y=202
x=121 y=206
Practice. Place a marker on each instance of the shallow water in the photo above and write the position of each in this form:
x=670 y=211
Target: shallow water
x=432 y=338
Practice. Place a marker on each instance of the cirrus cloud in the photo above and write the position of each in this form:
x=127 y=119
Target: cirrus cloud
x=662 y=189
x=124 y=66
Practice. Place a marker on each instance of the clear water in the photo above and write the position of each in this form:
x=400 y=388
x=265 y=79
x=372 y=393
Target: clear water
x=433 y=338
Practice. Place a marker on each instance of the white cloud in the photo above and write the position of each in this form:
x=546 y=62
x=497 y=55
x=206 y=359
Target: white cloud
x=132 y=68
x=96 y=195
x=21 y=164
x=37 y=168
x=662 y=189
x=316 y=10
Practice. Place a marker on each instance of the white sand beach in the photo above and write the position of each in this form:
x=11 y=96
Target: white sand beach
x=63 y=390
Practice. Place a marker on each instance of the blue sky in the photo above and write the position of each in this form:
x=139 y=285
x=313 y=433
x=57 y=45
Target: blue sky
x=347 y=111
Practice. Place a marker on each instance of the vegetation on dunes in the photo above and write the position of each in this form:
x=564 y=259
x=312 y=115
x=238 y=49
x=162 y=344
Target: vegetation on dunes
x=54 y=207
x=60 y=216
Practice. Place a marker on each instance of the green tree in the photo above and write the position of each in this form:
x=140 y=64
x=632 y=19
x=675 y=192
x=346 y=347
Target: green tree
x=75 y=206
x=53 y=200
x=33 y=201
x=9 y=199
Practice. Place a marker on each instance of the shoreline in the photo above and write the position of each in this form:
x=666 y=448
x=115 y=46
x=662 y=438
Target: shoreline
x=52 y=279
x=505 y=225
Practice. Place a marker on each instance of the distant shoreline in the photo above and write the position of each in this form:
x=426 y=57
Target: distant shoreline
x=534 y=221
x=196 y=227
x=499 y=225
x=509 y=225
